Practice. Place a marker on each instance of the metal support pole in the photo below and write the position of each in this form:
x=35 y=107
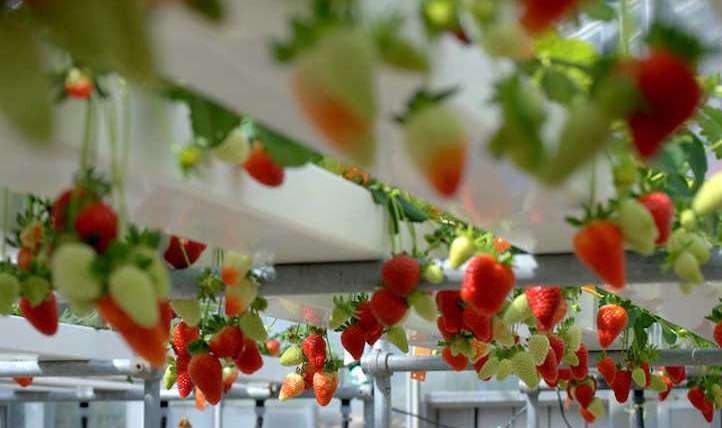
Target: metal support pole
x=164 y=414
x=638 y=398
x=151 y=403
x=345 y=412
x=368 y=405
x=218 y=415
x=532 y=407
x=83 y=412
x=260 y=412
x=382 y=400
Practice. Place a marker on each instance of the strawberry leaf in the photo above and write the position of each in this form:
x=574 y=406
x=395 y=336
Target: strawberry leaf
x=676 y=40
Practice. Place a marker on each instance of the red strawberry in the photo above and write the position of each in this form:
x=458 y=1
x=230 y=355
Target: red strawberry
x=667 y=381
x=584 y=394
x=544 y=302
x=324 y=386
x=449 y=304
x=581 y=370
x=538 y=15
x=229 y=377
x=182 y=361
x=607 y=368
x=388 y=308
x=620 y=386
x=273 y=346
x=78 y=85
x=677 y=374
x=184 y=384
x=486 y=284
x=445 y=331
x=59 y=210
x=24 y=259
x=479 y=325
x=365 y=316
x=480 y=363
x=718 y=333
x=97 y=225
x=560 y=312
x=707 y=410
x=600 y=247
x=587 y=415
x=670 y=95
x=44 y=317
x=353 y=341
x=182 y=252
x=308 y=372
x=565 y=374
x=374 y=334
x=457 y=362
x=183 y=334
x=401 y=275
x=227 y=343
x=549 y=369
x=165 y=316
x=207 y=374
x=23 y=381
x=314 y=348
x=660 y=205
x=263 y=168
x=611 y=320
x=249 y=360
x=696 y=397
x=647 y=377
x=557 y=344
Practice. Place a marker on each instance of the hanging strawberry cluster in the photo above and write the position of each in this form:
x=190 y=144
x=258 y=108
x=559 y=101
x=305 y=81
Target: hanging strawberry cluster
x=358 y=326
x=705 y=393
x=317 y=368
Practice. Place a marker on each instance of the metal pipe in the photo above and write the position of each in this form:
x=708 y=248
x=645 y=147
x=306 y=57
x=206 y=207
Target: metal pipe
x=638 y=398
x=87 y=368
x=532 y=406
x=382 y=400
x=345 y=413
x=151 y=403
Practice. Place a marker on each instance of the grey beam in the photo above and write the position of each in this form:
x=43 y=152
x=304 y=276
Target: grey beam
x=82 y=368
x=530 y=270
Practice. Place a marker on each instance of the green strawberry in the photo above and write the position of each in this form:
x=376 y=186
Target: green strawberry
x=462 y=247
x=397 y=336
x=433 y=273
x=572 y=338
x=9 y=292
x=688 y=220
x=638 y=227
x=625 y=172
x=489 y=368
x=188 y=309
x=681 y=240
x=292 y=356
x=157 y=270
x=524 y=368
x=252 y=326
x=709 y=196
x=169 y=376
x=502 y=333
x=657 y=384
x=35 y=289
x=423 y=304
x=71 y=266
x=596 y=407
x=234 y=148
x=538 y=348
x=518 y=310
x=717 y=395
x=504 y=370
x=686 y=267
x=133 y=290
x=639 y=377
x=570 y=358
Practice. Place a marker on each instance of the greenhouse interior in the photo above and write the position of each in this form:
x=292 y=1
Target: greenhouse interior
x=360 y=213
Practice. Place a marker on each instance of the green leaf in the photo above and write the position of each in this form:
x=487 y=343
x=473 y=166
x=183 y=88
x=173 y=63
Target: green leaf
x=554 y=46
x=105 y=35
x=558 y=86
x=599 y=9
x=696 y=158
x=678 y=187
x=24 y=88
x=709 y=120
x=669 y=336
x=675 y=39
x=210 y=121
x=211 y=9
x=285 y=151
x=411 y=212
x=671 y=159
x=379 y=196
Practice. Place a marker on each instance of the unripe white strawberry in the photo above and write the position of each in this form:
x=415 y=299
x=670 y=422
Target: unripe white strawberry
x=423 y=304
x=9 y=292
x=596 y=407
x=686 y=267
x=639 y=377
x=638 y=227
x=524 y=367
x=252 y=326
x=433 y=273
x=133 y=291
x=489 y=368
x=234 y=148
x=158 y=272
x=538 y=348
x=238 y=261
x=188 y=309
x=502 y=333
x=518 y=310
x=504 y=370
x=572 y=338
x=462 y=247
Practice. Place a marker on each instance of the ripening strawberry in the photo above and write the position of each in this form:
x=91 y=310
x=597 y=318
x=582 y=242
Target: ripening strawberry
x=230 y=374
x=587 y=415
x=401 y=274
x=324 y=386
x=43 y=316
x=677 y=374
x=479 y=325
x=538 y=15
x=544 y=302
x=621 y=385
x=227 y=343
x=314 y=348
x=249 y=360
x=206 y=373
x=611 y=320
x=600 y=247
x=293 y=385
x=486 y=284
x=668 y=383
x=661 y=207
x=234 y=268
x=273 y=347
x=261 y=166
x=97 y=225
x=437 y=144
x=183 y=335
x=78 y=85
x=457 y=362
x=353 y=341
x=333 y=83
x=182 y=252
x=584 y=394
x=388 y=308
x=24 y=259
x=670 y=94
x=608 y=369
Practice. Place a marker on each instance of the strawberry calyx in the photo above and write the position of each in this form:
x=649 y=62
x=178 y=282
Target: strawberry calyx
x=716 y=314
x=676 y=41
x=421 y=99
x=198 y=347
x=593 y=212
